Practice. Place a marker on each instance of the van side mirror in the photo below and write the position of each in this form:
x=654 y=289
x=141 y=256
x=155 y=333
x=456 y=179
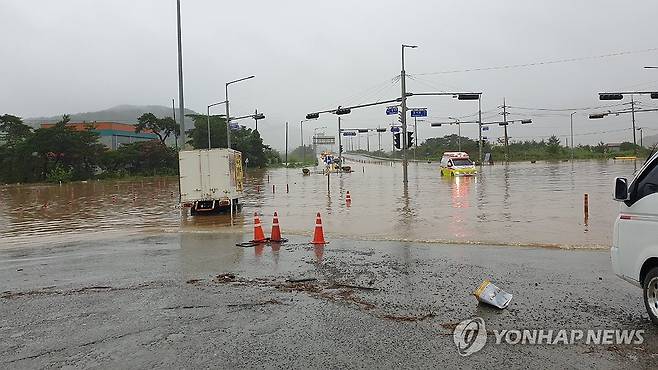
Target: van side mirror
x=621 y=189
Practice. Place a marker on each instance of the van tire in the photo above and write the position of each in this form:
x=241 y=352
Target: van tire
x=650 y=288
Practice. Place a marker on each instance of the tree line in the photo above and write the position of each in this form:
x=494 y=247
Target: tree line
x=550 y=149
x=62 y=153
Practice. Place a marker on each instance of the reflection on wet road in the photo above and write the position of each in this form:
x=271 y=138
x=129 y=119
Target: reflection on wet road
x=519 y=203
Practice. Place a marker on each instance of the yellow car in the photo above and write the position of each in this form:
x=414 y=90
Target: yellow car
x=457 y=164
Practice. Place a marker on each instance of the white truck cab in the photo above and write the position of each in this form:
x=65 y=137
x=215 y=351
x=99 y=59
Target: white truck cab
x=634 y=249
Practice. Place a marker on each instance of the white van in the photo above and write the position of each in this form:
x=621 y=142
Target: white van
x=635 y=239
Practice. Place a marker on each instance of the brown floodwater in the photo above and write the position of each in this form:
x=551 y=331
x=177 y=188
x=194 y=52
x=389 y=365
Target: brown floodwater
x=519 y=203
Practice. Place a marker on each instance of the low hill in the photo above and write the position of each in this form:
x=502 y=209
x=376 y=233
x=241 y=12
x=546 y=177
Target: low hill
x=120 y=113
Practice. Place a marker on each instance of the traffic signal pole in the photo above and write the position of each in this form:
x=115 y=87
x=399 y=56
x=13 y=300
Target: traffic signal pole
x=480 y=128
x=340 y=145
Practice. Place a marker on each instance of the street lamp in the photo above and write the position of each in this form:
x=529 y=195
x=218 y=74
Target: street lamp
x=301 y=134
x=228 y=117
x=208 y=114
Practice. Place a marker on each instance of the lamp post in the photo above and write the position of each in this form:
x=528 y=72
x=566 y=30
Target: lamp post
x=301 y=135
x=228 y=117
x=403 y=96
x=572 y=113
x=181 y=104
x=208 y=115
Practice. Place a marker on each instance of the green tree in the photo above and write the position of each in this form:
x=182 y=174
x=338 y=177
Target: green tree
x=553 y=146
x=63 y=146
x=245 y=140
x=162 y=127
x=13 y=129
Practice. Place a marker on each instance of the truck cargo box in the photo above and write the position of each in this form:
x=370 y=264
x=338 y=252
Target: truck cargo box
x=210 y=175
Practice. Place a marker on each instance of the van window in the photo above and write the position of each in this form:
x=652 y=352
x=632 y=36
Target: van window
x=462 y=162
x=647 y=184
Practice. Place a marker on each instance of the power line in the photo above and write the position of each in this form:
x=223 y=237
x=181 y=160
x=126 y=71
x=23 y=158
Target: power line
x=556 y=61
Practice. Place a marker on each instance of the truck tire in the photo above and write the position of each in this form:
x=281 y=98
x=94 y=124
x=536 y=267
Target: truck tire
x=651 y=294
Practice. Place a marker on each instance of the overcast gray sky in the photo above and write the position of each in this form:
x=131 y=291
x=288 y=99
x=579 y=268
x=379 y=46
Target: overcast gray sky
x=73 y=56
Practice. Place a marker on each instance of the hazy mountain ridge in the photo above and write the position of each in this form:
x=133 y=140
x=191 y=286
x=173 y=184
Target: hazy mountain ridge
x=121 y=113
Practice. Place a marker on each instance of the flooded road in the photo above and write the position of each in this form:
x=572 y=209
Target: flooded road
x=519 y=203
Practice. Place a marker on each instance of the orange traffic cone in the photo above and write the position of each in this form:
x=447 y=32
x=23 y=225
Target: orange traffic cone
x=318 y=236
x=276 y=231
x=348 y=198
x=259 y=235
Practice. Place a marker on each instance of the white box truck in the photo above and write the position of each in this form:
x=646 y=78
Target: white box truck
x=211 y=180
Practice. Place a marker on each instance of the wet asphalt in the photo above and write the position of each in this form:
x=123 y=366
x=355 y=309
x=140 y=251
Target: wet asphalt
x=195 y=300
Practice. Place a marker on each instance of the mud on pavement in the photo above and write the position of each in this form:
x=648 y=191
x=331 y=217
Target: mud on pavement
x=172 y=300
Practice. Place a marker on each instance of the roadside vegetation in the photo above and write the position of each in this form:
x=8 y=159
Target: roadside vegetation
x=531 y=150
x=61 y=153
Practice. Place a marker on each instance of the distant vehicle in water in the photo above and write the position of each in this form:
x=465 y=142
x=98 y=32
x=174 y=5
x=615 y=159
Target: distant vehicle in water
x=634 y=249
x=457 y=164
x=211 y=181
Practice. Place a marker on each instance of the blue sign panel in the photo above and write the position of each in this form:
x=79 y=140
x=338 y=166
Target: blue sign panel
x=391 y=110
x=233 y=126
x=485 y=128
x=395 y=129
x=419 y=112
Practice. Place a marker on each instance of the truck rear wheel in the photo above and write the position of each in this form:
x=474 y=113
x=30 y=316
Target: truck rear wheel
x=651 y=294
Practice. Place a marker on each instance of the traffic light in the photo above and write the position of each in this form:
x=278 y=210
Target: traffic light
x=468 y=97
x=435 y=124
x=410 y=139
x=363 y=130
x=396 y=140
x=596 y=116
x=654 y=95
x=611 y=96
x=312 y=115
x=341 y=111
x=381 y=130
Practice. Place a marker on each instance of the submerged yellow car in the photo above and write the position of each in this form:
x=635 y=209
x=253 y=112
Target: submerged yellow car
x=457 y=164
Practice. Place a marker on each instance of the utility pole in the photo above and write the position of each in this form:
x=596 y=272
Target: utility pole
x=459 y=135
x=368 y=141
x=286 y=144
x=572 y=135
x=403 y=83
x=180 y=78
x=505 y=125
x=633 y=115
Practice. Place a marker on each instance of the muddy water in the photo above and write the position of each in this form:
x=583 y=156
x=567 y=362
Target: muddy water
x=520 y=203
